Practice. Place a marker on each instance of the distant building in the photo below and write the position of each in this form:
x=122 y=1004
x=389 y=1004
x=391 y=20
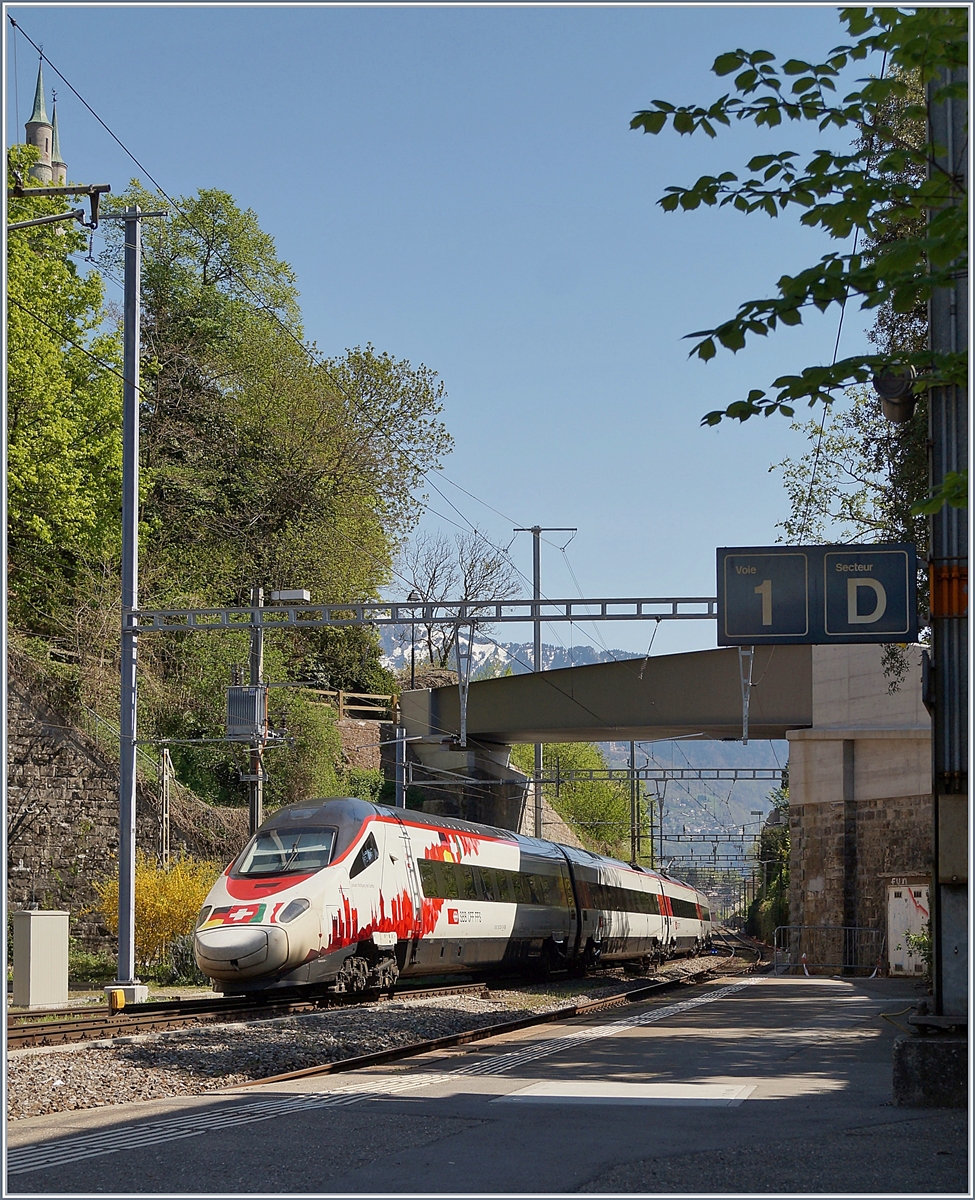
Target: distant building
x=42 y=133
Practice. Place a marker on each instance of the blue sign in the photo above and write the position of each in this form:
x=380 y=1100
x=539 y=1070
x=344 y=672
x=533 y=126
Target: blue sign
x=817 y=594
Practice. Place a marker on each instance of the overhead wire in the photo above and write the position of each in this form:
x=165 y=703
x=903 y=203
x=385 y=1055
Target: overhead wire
x=315 y=360
x=827 y=412
x=268 y=310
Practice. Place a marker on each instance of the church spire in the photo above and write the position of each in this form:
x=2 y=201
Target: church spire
x=39 y=115
x=59 y=169
x=39 y=132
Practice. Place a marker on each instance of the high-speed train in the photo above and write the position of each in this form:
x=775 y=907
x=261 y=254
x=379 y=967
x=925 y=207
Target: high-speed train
x=353 y=895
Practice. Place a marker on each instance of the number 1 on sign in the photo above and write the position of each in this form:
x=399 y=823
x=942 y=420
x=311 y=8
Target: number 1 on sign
x=764 y=590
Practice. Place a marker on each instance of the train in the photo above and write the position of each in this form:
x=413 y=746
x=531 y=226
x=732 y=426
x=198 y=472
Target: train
x=346 y=895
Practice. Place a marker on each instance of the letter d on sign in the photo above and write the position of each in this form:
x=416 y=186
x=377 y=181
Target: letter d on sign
x=851 y=601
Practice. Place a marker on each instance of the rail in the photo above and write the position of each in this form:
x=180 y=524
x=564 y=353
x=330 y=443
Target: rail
x=56 y=1027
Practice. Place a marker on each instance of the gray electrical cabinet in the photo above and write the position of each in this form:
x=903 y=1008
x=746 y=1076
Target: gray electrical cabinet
x=40 y=958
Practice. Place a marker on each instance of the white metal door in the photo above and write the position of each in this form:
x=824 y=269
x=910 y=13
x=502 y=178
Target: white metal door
x=907 y=913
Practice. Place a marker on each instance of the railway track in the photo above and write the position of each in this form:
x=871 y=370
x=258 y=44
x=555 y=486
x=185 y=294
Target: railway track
x=630 y=996
x=55 y=1027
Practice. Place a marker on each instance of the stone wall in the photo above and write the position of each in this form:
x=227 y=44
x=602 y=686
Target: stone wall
x=860 y=801
x=62 y=815
x=889 y=838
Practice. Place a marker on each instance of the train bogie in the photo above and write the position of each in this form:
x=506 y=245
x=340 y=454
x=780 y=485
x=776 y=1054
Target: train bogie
x=354 y=895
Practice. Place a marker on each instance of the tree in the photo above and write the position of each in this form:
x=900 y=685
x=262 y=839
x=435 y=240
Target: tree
x=916 y=226
x=63 y=412
x=466 y=567
x=266 y=462
x=598 y=809
x=770 y=908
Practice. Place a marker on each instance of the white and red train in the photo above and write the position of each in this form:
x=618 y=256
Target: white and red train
x=354 y=895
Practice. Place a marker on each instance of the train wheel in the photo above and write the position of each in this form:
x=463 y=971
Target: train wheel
x=353 y=975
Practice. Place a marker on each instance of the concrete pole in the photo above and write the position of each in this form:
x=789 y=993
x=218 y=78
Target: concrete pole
x=255 y=786
x=948 y=574
x=130 y=597
x=401 y=766
x=536 y=531
x=634 y=836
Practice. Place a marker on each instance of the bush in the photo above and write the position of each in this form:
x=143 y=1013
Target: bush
x=88 y=966
x=178 y=965
x=167 y=903
x=366 y=784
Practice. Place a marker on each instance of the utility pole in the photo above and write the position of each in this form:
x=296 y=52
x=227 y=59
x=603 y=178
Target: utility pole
x=255 y=780
x=634 y=815
x=536 y=531
x=131 y=351
x=948 y=574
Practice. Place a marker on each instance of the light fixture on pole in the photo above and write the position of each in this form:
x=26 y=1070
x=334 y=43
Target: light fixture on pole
x=895 y=387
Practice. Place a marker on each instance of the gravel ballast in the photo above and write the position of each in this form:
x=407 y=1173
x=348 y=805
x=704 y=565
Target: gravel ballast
x=205 y=1058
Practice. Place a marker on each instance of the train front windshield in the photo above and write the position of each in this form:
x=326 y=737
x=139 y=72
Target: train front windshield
x=286 y=852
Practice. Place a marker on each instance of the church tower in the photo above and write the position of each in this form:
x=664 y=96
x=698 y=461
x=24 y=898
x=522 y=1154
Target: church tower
x=40 y=132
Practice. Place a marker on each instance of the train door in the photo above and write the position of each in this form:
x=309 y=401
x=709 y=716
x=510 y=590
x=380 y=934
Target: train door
x=667 y=920
x=408 y=877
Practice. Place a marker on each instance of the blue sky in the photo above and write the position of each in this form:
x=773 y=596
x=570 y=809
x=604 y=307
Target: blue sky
x=459 y=186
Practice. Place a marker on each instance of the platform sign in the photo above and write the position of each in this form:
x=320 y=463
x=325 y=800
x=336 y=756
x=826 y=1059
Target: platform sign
x=816 y=594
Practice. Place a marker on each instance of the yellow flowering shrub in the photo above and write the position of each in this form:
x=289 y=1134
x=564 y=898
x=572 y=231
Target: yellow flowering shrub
x=167 y=903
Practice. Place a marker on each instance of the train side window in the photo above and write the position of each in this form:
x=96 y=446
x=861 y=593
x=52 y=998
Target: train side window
x=488 y=885
x=365 y=858
x=520 y=885
x=428 y=879
x=584 y=888
x=548 y=887
x=447 y=876
x=504 y=890
x=705 y=913
x=468 y=886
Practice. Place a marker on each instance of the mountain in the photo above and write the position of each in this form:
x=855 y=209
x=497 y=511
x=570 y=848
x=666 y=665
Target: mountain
x=491 y=658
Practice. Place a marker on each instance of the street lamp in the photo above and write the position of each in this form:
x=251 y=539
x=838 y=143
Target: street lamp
x=413 y=596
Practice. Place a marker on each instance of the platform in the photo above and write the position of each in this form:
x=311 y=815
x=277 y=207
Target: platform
x=746 y=1084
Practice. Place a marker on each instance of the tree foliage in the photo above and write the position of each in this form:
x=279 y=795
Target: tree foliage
x=263 y=462
x=915 y=225
x=63 y=410
x=465 y=567
x=598 y=809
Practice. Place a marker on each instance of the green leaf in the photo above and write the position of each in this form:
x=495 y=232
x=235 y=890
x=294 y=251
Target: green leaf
x=650 y=122
x=953 y=491
x=724 y=64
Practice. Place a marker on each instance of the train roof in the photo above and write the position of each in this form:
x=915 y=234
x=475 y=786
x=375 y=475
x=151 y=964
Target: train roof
x=348 y=812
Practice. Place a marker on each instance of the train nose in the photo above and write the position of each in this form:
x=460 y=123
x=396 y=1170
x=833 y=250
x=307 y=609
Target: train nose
x=236 y=953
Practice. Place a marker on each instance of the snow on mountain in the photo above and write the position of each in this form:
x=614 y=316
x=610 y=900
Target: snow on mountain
x=491 y=658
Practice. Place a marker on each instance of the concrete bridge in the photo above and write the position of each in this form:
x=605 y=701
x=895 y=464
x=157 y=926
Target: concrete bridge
x=672 y=695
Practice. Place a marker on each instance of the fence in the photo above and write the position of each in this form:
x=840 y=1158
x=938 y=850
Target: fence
x=819 y=949
x=357 y=704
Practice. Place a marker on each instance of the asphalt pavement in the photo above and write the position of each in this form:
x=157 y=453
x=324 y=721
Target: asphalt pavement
x=738 y=1086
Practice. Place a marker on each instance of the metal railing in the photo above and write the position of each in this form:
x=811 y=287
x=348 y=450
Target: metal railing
x=828 y=949
x=357 y=704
